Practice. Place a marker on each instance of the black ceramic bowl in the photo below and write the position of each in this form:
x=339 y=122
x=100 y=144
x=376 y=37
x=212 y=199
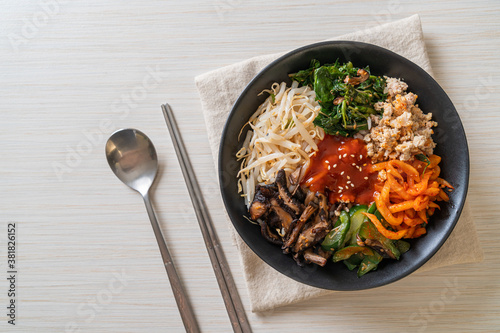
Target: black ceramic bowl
x=449 y=137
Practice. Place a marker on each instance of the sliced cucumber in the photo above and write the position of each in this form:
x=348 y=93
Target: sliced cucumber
x=369 y=263
x=348 y=251
x=336 y=238
x=357 y=218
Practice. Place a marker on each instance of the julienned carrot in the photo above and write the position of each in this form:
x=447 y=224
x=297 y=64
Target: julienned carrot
x=434 y=184
x=407 y=197
x=422 y=215
x=399 y=189
x=384 y=211
x=434 y=161
x=377 y=167
x=410 y=233
x=407 y=168
x=443 y=195
x=384 y=195
x=411 y=222
x=387 y=233
x=443 y=182
x=431 y=191
x=402 y=206
x=421 y=186
x=395 y=198
x=391 y=170
x=418 y=232
x=435 y=174
x=434 y=205
x=420 y=203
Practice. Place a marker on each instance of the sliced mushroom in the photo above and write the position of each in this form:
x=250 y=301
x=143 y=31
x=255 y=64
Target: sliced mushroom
x=285 y=195
x=268 y=190
x=310 y=197
x=335 y=211
x=298 y=225
x=315 y=231
x=362 y=77
x=273 y=220
x=290 y=229
x=259 y=206
x=311 y=236
x=299 y=259
x=310 y=256
x=285 y=217
x=299 y=194
x=294 y=179
x=268 y=234
x=323 y=253
x=295 y=176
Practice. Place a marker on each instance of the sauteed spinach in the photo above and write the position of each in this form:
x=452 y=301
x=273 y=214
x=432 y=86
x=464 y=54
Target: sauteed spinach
x=345 y=93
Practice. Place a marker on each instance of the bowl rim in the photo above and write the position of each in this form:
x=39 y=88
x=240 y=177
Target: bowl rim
x=461 y=200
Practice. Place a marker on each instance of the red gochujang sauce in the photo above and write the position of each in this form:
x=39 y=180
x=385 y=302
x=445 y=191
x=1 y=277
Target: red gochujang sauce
x=340 y=169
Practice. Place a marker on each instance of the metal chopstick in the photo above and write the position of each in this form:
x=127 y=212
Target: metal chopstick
x=226 y=283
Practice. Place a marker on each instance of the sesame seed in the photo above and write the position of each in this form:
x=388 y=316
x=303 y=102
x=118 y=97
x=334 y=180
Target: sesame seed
x=360 y=156
x=340 y=157
x=366 y=178
x=341 y=188
x=335 y=165
x=364 y=164
x=342 y=173
x=328 y=167
x=354 y=164
x=352 y=155
x=348 y=177
x=327 y=162
x=348 y=182
x=345 y=155
x=352 y=185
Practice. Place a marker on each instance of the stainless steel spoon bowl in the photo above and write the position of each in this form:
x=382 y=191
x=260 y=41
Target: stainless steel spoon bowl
x=132 y=157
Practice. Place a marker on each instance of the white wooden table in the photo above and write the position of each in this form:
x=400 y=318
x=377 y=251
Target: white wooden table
x=72 y=72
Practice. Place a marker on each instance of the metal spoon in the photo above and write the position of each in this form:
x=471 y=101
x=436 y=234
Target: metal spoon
x=132 y=157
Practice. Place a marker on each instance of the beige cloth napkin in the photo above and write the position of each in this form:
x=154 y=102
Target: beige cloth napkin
x=218 y=91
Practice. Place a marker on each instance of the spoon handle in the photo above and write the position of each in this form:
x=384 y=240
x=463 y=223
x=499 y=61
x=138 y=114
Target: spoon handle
x=183 y=304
